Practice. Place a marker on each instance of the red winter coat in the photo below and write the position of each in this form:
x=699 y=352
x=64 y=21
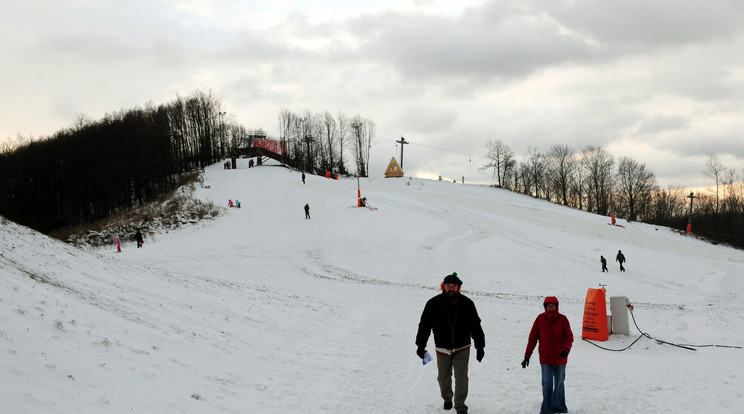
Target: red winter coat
x=554 y=333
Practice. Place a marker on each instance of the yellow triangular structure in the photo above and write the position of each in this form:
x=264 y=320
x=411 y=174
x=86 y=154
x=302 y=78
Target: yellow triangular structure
x=393 y=169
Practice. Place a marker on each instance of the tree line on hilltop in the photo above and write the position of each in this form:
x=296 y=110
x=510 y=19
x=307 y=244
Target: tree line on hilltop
x=594 y=181
x=95 y=169
x=319 y=140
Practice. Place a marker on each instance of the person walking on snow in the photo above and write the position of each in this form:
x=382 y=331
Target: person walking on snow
x=553 y=331
x=454 y=320
x=303 y=178
x=307 y=211
x=138 y=238
x=118 y=244
x=620 y=258
x=604 y=264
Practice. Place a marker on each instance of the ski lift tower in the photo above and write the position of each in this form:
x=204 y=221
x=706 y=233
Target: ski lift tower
x=402 y=142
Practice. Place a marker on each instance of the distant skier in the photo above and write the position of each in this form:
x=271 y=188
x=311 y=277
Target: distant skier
x=620 y=258
x=237 y=203
x=454 y=320
x=303 y=178
x=118 y=244
x=604 y=264
x=307 y=211
x=230 y=203
x=553 y=331
x=138 y=238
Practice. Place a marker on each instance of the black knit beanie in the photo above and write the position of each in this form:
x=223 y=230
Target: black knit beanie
x=452 y=279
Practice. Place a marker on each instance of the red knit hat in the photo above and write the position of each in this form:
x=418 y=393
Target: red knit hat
x=551 y=299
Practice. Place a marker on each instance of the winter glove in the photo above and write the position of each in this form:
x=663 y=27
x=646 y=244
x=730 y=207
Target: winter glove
x=525 y=363
x=563 y=354
x=479 y=354
x=420 y=352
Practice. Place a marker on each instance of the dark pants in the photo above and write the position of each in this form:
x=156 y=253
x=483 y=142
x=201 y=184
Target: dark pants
x=457 y=363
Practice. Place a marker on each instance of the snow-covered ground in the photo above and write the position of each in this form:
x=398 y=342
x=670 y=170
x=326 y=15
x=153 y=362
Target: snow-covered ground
x=263 y=311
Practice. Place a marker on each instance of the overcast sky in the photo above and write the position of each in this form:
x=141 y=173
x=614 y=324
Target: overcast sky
x=659 y=81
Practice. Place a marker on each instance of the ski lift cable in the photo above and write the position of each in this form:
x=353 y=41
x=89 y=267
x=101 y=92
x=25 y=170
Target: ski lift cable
x=444 y=149
x=470 y=156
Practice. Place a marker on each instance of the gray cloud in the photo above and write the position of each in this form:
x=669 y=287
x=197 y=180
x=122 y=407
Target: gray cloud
x=660 y=123
x=660 y=81
x=644 y=26
x=424 y=48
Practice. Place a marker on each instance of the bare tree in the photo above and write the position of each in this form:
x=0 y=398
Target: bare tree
x=500 y=160
x=577 y=184
x=11 y=145
x=714 y=169
x=561 y=164
x=329 y=137
x=371 y=131
x=730 y=199
x=636 y=184
x=343 y=140
x=523 y=178
x=669 y=204
x=81 y=121
x=364 y=133
x=536 y=168
x=598 y=164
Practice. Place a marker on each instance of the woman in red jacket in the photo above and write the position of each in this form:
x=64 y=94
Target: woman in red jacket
x=553 y=331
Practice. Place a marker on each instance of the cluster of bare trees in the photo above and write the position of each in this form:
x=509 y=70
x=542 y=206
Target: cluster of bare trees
x=97 y=168
x=321 y=142
x=593 y=180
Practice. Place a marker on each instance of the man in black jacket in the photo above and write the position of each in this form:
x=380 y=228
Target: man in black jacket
x=620 y=258
x=454 y=320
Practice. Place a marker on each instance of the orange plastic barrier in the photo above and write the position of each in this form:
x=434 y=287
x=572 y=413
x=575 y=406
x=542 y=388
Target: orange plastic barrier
x=595 y=316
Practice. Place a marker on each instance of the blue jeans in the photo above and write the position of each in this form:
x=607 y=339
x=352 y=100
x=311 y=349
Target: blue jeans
x=554 y=392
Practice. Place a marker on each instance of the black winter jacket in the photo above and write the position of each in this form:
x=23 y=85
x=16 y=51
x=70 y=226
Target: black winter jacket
x=453 y=323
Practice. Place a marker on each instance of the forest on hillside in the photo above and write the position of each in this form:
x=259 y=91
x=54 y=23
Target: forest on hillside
x=98 y=168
